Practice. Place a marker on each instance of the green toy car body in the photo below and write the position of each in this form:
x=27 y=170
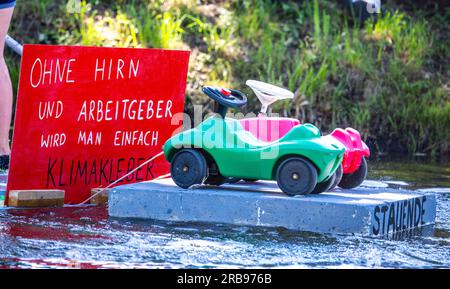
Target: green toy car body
x=219 y=148
x=239 y=154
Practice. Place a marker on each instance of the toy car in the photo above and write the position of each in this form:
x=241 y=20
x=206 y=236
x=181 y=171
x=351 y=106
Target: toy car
x=219 y=148
x=354 y=165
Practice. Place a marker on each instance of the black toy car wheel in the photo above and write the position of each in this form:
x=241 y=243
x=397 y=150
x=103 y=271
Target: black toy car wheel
x=188 y=167
x=350 y=181
x=296 y=176
x=339 y=172
x=324 y=186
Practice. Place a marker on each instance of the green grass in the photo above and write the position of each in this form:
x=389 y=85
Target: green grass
x=388 y=79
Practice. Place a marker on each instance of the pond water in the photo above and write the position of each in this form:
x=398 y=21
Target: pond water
x=87 y=238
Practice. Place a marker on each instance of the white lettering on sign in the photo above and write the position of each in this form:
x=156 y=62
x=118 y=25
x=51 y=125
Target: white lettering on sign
x=143 y=109
x=49 y=109
x=53 y=140
x=88 y=138
x=51 y=71
x=136 y=138
x=115 y=69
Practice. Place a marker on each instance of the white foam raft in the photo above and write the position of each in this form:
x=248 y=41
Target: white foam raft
x=371 y=212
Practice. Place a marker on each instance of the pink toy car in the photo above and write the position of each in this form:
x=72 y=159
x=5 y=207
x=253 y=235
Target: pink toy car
x=354 y=166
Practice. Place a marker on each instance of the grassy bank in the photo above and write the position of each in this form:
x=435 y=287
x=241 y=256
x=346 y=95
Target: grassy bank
x=388 y=79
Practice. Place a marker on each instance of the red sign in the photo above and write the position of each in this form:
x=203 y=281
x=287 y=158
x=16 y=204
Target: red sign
x=87 y=116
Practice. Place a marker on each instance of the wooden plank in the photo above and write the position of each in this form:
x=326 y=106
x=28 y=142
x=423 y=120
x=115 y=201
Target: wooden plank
x=100 y=199
x=36 y=198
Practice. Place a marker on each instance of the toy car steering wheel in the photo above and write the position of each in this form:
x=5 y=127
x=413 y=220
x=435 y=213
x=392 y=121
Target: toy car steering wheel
x=225 y=98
